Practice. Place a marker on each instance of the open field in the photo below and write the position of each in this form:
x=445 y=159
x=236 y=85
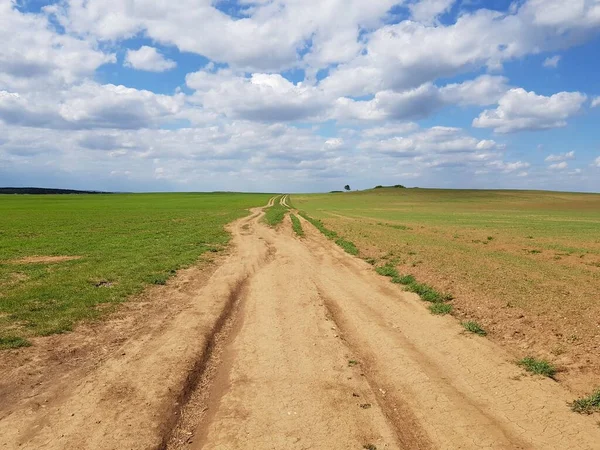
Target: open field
x=65 y=258
x=287 y=341
x=525 y=265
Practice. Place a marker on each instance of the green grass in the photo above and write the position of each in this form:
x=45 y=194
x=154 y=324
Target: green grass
x=428 y=293
x=125 y=242
x=274 y=215
x=473 y=327
x=587 y=405
x=440 y=309
x=348 y=246
x=387 y=270
x=404 y=279
x=13 y=342
x=538 y=366
x=296 y=225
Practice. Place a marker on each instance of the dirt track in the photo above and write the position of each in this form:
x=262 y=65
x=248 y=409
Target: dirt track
x=292 y=344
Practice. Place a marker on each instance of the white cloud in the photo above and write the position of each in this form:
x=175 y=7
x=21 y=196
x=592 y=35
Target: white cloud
x=561 y=157
x=149 y=59
x=88 y=105
x=596 y=162
x=551 y=62
x=559 y=166
x=595 y=102
x=40 y=59
x=521 y=110
x=263 y=97
x=428 y=10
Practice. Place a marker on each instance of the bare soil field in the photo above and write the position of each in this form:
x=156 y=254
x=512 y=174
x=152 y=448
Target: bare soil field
x=286 y=342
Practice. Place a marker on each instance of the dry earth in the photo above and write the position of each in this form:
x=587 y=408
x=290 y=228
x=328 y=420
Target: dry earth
x=286 y=343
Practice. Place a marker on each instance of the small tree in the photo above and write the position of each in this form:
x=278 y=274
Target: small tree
x=347 y=187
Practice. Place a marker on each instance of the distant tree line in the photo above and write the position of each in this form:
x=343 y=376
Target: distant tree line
x=399 y=186
x=38 y=191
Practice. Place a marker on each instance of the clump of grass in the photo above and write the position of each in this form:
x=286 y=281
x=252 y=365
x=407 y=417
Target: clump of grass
x=387 y=270
x=348 y=246
x=587 y=405
x=158 y=278
x=352 y=362
x=371 y=261
x=13 y=342
x=440 y=309
x=296 y=225
x=474 y=327
x=370 y=447
x=274 y=215
x=404 y=279
x=428 y=293
x=538 y=366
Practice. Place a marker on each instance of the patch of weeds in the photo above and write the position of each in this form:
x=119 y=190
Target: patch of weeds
x=533 y=252
x=587 y=405
x=347 y=246
x=13 y=342
x=404 y=279
x=352 y=363
x=440 y=309
x=159 y=279
x=387 y=271
x=427 y=293
x=490 y=238
x=474 y=327
x=370 y=447
x=296 y=225
x=371 y=261
x=538 y=366
x=365 y=405
x=274 y=215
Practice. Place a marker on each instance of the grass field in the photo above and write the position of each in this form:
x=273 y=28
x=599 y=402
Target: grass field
x=527 y=264
x=119 y=244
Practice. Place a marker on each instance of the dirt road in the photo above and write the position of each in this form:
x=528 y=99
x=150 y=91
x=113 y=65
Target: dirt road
x=293 y=344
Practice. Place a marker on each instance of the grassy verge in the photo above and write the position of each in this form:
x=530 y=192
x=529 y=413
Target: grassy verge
x=118 y=244
x=426 y=292
x=538 y=366
x=296 y=225
x=587 y=405
x=348 y=246
x=274 y=215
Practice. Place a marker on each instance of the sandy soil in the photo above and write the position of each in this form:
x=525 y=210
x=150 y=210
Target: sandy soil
x=288 y=343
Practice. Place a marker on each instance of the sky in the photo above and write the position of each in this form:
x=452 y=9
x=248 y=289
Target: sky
x=299 y=95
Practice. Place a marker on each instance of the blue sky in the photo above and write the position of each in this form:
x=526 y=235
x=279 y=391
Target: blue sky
x=299 y=95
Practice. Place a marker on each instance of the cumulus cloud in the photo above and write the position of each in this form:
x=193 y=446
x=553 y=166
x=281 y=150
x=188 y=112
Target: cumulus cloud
x=596 y=162
x=89 y=105
x=559 y=166
x=40 y=59
x=263 y=97
x=520 y=110
x=428 y=10
x=595 y=102
x=149 y=59
x=365 y=79
x=551 y=62
x=561 y=157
